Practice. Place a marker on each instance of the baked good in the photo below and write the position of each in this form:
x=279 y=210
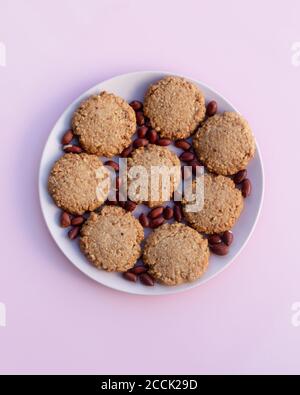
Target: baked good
x=159 y=189
x=78 y=183
x=225 y=143
x=223 y=204
x=111 y=239
x=104 y=124
x=175 y=107
x=175 y=254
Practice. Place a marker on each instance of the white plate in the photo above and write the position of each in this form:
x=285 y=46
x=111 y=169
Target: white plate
x=132 y=86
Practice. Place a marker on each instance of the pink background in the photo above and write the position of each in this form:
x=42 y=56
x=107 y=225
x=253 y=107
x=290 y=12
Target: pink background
x=60 y=321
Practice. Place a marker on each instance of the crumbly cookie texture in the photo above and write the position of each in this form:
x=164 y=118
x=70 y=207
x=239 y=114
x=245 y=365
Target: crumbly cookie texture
x=225 y=143
x=111 y=240
x=176 y=254
x=152 y=156
x=105 y=124
x=175 y=107
x=78 y=183
x=223 y=204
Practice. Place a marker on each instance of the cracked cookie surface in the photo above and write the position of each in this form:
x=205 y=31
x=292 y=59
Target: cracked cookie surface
x=175 y=107
x=104 y=124
x=175 y=254
x=147 y=157
x=225 y=143
x=223 y=204
x=78 y=183
x=111 y=239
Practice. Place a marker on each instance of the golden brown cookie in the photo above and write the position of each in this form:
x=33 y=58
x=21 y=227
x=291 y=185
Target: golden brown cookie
x=225 y=143
x=105 y=124
x=176 y=254
x=223 y=204
x=175 y=107
x=155 y=157
x=111 y=240
x=78 y=183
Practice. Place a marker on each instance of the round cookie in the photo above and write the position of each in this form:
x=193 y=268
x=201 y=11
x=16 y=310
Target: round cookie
x=225 y=143
x=105 y=124
x=111 y=240
x=175 y=107
x=157 y=157
x=223 y=204
x=78 y=183
x=176 y=254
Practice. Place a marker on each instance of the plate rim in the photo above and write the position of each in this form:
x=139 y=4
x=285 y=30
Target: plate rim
x=172 y=290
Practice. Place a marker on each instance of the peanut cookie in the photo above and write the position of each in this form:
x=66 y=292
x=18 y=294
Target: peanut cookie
x=105 y=124
x=225 y=143
x=78 y=183
x=176 y=254
x=146 y=161
x=175 y=107
x=111 y=240
x=223 y=204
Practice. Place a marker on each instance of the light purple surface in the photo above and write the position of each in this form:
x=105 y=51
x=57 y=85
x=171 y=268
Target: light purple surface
x=60 y=321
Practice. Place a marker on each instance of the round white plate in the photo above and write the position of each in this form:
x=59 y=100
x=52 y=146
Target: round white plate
x=132 y=86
